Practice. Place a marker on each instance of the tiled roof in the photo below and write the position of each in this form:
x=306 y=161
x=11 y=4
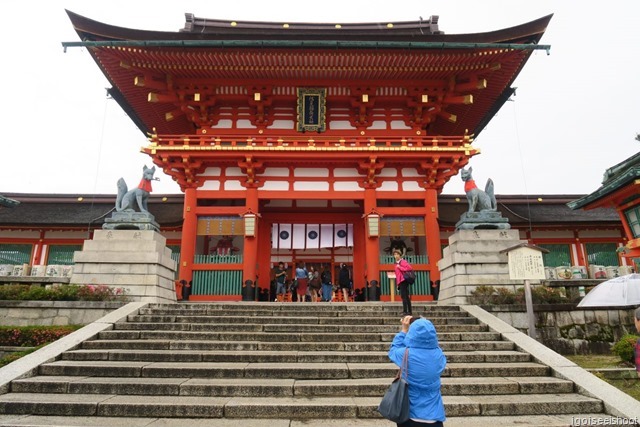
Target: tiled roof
x=66 y=211
x=615 y=178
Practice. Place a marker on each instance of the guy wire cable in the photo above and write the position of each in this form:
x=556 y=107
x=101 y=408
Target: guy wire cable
x=100 y=144
x=524 y=178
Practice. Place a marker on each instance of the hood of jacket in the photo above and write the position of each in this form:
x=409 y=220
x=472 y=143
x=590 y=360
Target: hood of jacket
x=422 y=334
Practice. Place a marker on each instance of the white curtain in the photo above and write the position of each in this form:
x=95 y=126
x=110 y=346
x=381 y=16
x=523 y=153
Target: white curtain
x=311 y=236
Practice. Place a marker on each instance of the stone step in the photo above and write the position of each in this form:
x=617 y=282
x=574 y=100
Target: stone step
x=301 y=320
x=286 y=328
x=256 y=307
x=555 y=420
x=281 y=314
x=278 y=387
x=275 y=370
x=290 y=337
x=251 y=356
x=108 y=405
x=137 y=344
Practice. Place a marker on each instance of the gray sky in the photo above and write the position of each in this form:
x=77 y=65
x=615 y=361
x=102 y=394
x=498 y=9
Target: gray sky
x=575 y=113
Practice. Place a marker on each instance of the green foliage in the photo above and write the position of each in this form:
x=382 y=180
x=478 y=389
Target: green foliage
x=489 y=295
x=15 y=356
x=62 y=293
x=33 y=336
x=482 y=295
x=624 y=347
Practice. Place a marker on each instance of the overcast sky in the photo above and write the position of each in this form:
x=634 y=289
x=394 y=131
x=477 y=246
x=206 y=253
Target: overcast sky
x=575 y=113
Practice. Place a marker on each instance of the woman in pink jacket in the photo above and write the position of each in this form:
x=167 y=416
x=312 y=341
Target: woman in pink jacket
x=401 y=266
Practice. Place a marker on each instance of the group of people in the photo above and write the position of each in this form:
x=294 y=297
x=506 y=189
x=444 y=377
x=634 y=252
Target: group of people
x=313 y=283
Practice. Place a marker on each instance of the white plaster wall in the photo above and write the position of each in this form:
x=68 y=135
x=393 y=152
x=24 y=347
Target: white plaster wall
x=340 y=125
x=310 y=186
x=346 y=186
x=20 y=234
x=223 y=124
x=214 y=171
x=389 y=186
x=275 y=172
x=389 y=172
x=210 y=185
x=282 y=124
x=346 y=172
x=244 y=124
x=551 y=234
x=275 y=186
x=399 y=124
x=311 y=172
x=234 y=172
x=410 y=172
x=411 y=186
x=599 y=233
x=66 y=235
x=233 y=185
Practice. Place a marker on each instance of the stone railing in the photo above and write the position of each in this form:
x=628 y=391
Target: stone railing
x=570 y=330
x=48 y=313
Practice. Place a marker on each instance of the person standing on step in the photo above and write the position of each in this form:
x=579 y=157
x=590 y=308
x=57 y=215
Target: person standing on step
x=314 y=283
x=302 y=277
x=401 y=266
x=344 y=281
x=425 y=364
x=281 y=279
x=327 y=286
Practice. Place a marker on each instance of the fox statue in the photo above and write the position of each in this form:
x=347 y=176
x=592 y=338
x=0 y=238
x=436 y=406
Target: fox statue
x=128 y=200
x=479 y=201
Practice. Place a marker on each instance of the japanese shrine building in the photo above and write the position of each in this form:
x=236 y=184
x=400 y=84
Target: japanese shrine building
x=315 y=143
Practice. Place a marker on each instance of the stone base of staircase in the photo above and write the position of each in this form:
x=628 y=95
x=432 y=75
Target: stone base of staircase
x=297 y=364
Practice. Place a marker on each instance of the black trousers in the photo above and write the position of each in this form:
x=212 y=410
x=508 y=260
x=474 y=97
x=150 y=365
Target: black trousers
x=406 y=297
x=411 y=423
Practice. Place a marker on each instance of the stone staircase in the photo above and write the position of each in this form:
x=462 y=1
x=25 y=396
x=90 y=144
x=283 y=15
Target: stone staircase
x=283 y=364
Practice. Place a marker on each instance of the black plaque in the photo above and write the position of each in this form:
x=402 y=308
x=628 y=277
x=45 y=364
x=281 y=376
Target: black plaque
x=312 y=109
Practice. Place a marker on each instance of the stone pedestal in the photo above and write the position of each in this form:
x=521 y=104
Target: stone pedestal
x=473 y=259
x=136 y=260
x=131 y=220
x=482 y=221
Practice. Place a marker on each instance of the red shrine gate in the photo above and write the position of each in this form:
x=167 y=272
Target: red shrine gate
x=348 y=129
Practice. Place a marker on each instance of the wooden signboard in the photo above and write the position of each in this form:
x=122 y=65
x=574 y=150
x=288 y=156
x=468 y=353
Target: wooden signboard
x=312 y=109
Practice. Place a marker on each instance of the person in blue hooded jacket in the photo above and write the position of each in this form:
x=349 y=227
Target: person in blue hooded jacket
x=426 y=364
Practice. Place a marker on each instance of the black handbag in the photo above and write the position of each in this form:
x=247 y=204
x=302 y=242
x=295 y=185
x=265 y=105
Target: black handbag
x=409 y=277
x=395 y=402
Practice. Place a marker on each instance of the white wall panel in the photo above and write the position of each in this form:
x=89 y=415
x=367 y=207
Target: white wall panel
x=210 y=185
x=347 y=186
x=310 y=186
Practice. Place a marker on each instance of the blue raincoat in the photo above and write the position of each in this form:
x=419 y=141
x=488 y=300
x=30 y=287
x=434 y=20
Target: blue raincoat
x=426 y=364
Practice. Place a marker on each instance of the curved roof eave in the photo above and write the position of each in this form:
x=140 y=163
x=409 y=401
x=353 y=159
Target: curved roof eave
x=527 y=33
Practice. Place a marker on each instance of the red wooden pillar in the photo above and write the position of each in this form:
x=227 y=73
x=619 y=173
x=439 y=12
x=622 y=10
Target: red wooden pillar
x=581 y=256
x=37 y=256
x=432 y=231
x=372 y=244
x=249 y=269
x=264 y=255
x=189 y=234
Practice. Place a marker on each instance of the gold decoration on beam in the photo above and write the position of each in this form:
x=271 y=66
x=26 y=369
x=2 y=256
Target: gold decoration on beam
x=472 y=85
x=448 y=116
x=461 y=99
